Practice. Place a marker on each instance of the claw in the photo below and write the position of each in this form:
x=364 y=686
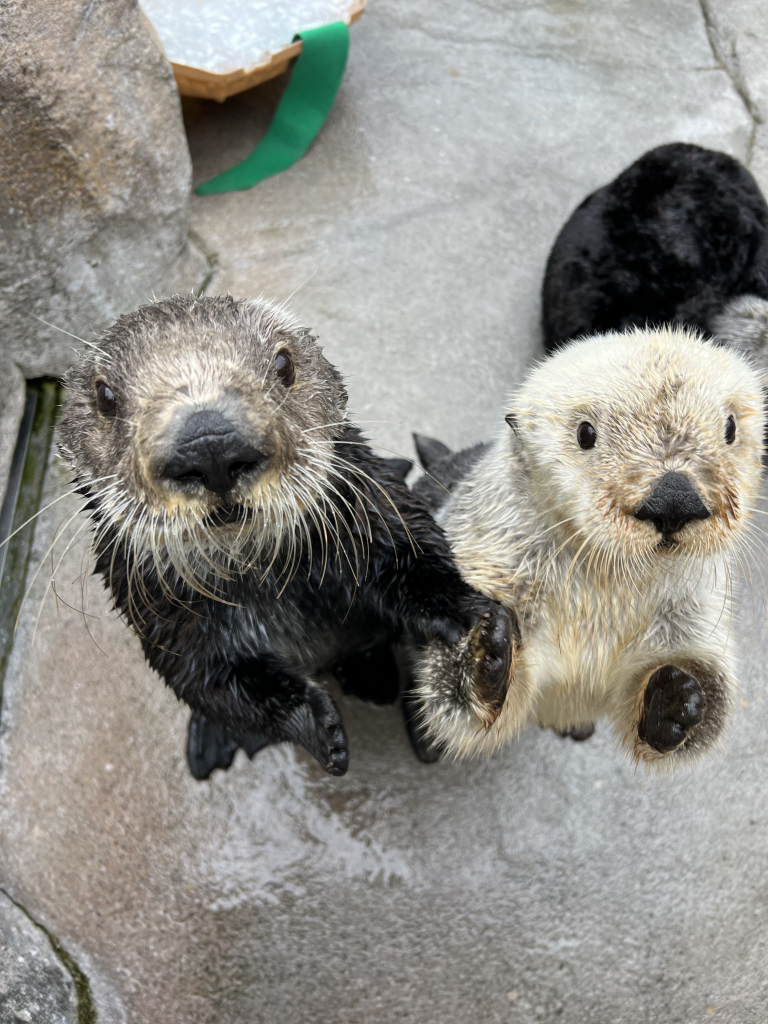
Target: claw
x=492 y=647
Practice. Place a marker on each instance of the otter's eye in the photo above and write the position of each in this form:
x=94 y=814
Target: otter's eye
x=105 y=399
x=284 y=367
x=586 y=435
x=730 y=430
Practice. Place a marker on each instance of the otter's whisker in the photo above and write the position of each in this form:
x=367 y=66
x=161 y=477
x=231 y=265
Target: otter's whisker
x=69 y=334
x=78 y=533
x=40 y=511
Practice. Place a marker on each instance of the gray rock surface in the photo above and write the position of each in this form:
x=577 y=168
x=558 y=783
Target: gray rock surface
x=738 y=32
x=34 y=985
x=554 y=883
x=95 y=173
x=11 y=409
x=417 y=228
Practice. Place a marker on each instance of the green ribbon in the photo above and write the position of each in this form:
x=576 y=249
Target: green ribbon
x=302 y=112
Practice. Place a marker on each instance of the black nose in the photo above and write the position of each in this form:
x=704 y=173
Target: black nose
x=673 y=503
x=211 y=452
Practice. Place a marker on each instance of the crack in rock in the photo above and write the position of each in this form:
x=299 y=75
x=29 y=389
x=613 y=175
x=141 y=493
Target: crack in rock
x=86 y=1010
x=723 y=45
x=210 y=258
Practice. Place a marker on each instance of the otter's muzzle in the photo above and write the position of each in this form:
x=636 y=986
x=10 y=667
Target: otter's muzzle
x=673 y=503
x=211 y=452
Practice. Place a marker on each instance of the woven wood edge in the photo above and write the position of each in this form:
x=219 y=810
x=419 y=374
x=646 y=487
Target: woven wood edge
x=206 y=85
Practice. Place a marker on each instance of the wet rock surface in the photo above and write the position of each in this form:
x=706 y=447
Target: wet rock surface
x=554 y=883
x=11 y=410
x=95 y=172
x=417 y=228
x=34 y=984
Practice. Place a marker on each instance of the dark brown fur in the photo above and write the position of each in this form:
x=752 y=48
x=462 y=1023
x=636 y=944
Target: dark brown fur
x=321 y=554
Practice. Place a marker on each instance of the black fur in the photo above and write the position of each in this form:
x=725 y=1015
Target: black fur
x=673 y=239
x=443 y=468
x=429 y=450
x=243 y=664
x=399 y=468
x=371 y=675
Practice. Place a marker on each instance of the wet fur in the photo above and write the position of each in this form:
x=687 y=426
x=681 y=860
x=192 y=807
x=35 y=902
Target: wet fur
x=743 y=325
x=674 y=238
x=547 y=529
x=241 y=605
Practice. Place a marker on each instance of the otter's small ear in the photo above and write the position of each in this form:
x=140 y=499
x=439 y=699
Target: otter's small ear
x=511 y=420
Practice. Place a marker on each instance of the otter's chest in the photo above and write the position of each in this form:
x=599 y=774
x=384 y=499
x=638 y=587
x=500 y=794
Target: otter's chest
x=306 y=622
x=577 y=633
x=584 y=637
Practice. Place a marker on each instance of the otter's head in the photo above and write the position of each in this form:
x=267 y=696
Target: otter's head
x=202 y=422
x=643 y=445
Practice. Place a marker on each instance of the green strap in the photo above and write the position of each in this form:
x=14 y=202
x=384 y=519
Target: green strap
x=305 y=105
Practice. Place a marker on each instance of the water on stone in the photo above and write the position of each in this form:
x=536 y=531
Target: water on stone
x=226 y=35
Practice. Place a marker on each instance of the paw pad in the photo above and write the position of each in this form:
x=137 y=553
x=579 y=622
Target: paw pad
x=673 y=704
x=492 y=644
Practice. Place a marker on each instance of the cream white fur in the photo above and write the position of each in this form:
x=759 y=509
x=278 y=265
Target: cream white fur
x=547 y=529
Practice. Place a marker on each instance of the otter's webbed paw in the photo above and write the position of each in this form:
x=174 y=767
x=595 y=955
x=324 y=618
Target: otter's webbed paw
x=673 y=704
x=424 y=748
x=211 y=745
x=317 y=725
x=577 y=732
x=491 y=650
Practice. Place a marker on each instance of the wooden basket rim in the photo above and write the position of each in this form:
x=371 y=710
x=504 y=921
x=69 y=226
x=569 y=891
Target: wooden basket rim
x=194 y=81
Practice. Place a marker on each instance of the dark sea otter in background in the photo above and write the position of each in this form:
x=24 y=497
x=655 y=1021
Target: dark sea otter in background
x=248 y=532
x=679 y=237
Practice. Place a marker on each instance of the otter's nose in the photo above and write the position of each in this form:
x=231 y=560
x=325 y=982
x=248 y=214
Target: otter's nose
x=210 y=451
x=673 y=503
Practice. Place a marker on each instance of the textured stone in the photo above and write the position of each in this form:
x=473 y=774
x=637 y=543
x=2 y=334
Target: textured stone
x=402 y=892
x=11 y=409
x=738 y=32
x=417 y=228
x=553 y=883
x=95 y=173
x=34 y=985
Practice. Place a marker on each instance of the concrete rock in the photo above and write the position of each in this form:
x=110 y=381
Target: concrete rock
x=34 y=985
x=417 y=228
x=738 y=32
x=553 y=883
x=95 y=172
x=11 y=409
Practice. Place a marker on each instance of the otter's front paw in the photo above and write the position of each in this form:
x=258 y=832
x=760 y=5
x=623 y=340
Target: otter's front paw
x=209 y=745
x=673 y=704
x=492 y=646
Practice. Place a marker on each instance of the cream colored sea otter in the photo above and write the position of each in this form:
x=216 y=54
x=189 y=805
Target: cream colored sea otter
x=610 y=518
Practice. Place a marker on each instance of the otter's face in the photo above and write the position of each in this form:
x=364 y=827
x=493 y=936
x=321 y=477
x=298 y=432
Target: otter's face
x=643 y=445
x=202 y=413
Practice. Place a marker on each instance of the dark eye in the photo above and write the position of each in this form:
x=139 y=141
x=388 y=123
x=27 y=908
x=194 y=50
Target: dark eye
x=730 y=430
x=586 y=435
x=105 y=399
x=284 y=367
